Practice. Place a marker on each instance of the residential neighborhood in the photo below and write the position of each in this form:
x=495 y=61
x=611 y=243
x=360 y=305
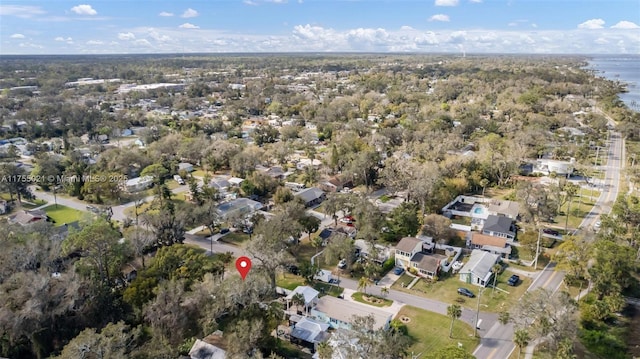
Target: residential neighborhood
x=386 y=211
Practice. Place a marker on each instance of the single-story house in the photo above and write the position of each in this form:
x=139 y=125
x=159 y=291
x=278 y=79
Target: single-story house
x=308 y=332
x=499 y=226
x=185 y=166
x=235 y=181
x=333 y=184
x=274 y=172
x=496 y=245
x=561 y=168
x=364 y=249
x=220 y=184
x=138 y=184
x=310 y=296
x=311 y=196
x=504 y=208
x=238 y=206
x=204 y=350
x=4 y=207
x=25 y=218
x=477 y=270
x=338 y=313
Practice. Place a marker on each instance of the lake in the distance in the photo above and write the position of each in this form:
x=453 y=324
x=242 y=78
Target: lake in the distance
x=624 y=68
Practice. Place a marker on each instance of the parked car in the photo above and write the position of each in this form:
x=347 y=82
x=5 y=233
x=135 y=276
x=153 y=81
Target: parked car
x=293 y=269
x=466 y=292
x=178 y=179
x=398 y=271
x=347 y=219
x=551 y=232
x=513 y=280
x=224 y=230
x=342 y=264
x=597 y=225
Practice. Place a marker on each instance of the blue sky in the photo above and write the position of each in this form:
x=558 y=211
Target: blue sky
x=472 y=26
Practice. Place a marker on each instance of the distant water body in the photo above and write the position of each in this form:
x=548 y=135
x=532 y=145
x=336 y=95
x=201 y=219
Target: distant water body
x=623 y=68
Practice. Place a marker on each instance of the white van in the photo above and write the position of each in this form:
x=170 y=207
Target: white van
x=178 y=179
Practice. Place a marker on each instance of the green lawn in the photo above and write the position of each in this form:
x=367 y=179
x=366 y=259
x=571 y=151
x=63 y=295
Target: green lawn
x=289 y=281
x=446 y=290
x=328 y=289
x=61 y=214
x=240 y=239
x=430 y=331
x=358 y=297
x=580 y=207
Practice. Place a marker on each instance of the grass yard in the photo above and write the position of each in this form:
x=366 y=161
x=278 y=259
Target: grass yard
x=580 y=207
x=239 y=239
x=289 y=281
x=328 y=289
x=446 y=290
x=379 y=302
x=61 y=214
x=199 y=173
x=427 y=329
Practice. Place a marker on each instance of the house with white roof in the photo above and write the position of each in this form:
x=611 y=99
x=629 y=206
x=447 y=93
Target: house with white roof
x=309 y=294
x=339 y=313
x=477 y=270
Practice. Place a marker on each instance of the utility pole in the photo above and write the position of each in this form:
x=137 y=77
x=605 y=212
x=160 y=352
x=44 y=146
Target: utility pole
x=475 y=327
x=597 y=152
x=535 y=267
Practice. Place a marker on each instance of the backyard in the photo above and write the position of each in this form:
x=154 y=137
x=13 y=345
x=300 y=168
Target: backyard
x=427 y=330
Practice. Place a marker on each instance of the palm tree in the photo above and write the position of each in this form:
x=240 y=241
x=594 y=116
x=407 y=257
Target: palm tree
x=495 y=269
x=298 y=300
x=521 y=339
x=225 y=258
x=325 y=351
x=384 y=291
x=454 y=311
x=363 y=283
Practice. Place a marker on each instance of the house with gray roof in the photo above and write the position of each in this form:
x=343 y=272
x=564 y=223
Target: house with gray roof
x=311 y=196
x=237 y=207
x=499 y=226
x=477 y=270
x=25 y=218
x=308 y=332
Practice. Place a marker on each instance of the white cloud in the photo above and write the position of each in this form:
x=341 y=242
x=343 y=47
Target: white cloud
x=21 y=11
x=625 y=25
x=95 y=42
x=277 y=1
x=592 y=24
x=406 y=28
x=189 y=13
x=446 y=3
x=126 y=36
x=84 y=10
x=249 y=2
x=439 y=17
x=513 y=23
x=475 y=1
x=17 y=36
x=187 y=25
x=142 y=42
x=165 y=14
x=60 y=38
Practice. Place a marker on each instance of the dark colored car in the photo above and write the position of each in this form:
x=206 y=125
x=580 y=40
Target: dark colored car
x=293 y=269
x=466 y=292
x=398 y=271
x=550 y=232
x=513 y=280
x=224 y=230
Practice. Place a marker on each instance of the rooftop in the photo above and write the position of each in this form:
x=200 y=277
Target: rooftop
x=307 y=292
x=486 y=240
x=344 y=310
x=310 y=330
x=428 y=262
x=499 y=224
x=480 y=263
x=407 y=244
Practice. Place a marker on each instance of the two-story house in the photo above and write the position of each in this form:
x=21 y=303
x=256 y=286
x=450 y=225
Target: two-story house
x=412 y=252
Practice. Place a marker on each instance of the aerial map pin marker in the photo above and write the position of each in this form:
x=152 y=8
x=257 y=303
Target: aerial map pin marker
x=243 y=265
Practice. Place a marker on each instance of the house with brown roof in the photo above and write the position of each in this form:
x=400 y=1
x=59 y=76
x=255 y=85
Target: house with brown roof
x=416 y=253
x=491 y=244
x=25 y=218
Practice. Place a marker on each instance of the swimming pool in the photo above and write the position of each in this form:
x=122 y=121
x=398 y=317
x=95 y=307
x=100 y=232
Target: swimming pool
x=478 y=210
